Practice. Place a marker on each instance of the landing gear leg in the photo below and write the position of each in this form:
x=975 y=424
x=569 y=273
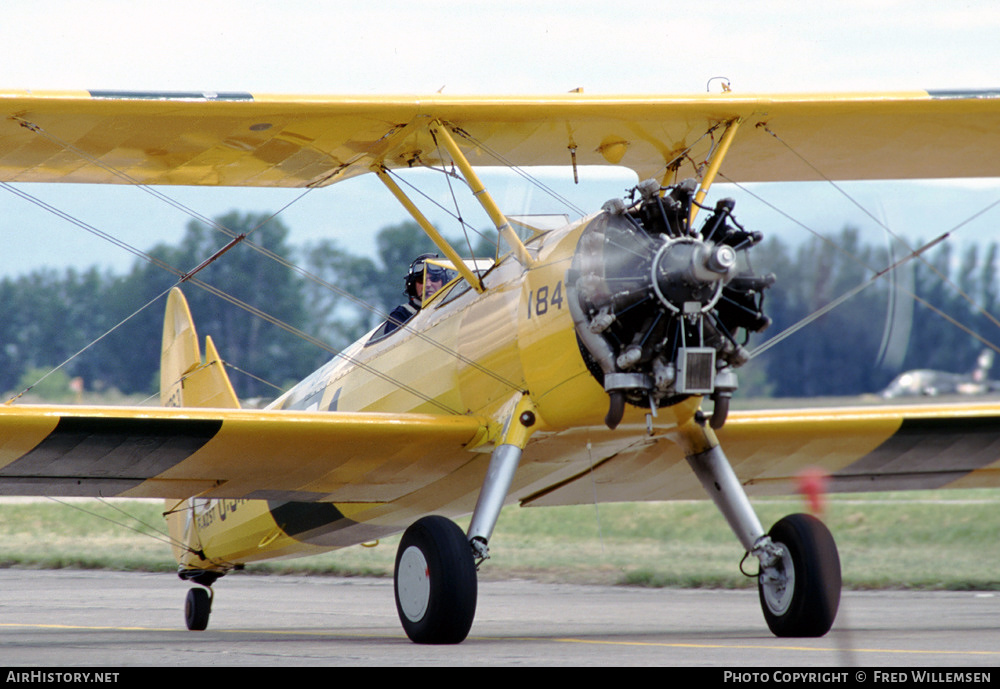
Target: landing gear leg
x=499 y=476
x=799 y=581
x=197 y=608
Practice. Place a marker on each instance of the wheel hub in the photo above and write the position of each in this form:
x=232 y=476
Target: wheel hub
x=778 y=584
x=414 y=584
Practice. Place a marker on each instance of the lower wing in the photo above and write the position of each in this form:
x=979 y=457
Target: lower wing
x=860 y=449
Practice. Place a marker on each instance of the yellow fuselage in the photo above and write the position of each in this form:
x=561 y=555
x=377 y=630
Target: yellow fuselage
x=465 y=352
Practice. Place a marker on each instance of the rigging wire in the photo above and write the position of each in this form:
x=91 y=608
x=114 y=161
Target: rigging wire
x=152 y=191
x=877 y=274
x=439 y=206
x=251 y=375
x=256 y=247
x=158 y=534
x=190 y=277
x=895 y=236
x=519 y=171
x=454 y=200
x=671 y=164
x=791 y=330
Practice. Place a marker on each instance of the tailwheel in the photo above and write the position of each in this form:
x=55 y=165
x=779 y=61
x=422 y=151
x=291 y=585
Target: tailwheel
x=435 y=582
x=800 y=593
x=197 y=608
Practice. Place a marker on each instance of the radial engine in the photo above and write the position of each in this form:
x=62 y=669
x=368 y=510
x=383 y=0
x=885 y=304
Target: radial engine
x=660 y=307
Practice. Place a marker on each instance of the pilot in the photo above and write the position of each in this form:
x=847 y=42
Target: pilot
x=417 y=290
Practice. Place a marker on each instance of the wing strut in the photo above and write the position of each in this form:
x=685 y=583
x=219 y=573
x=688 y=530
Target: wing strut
x=430 y=230
x=714 y=165
x=479 y=191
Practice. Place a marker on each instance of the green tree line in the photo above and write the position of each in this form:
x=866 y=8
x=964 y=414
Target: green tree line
x=50 y=317
x=899 y=322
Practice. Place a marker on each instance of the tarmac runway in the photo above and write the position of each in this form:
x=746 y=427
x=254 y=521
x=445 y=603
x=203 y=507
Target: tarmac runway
x=115 y=620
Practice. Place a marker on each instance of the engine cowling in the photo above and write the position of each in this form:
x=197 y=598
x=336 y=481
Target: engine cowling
x=659 y=307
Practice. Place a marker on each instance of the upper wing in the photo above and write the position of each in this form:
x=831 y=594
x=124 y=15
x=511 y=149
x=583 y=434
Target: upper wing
x=180 y=452
x=861 y=449
x=238 y=139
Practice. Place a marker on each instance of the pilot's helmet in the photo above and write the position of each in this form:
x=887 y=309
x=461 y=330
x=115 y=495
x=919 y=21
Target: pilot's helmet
x=416 y=273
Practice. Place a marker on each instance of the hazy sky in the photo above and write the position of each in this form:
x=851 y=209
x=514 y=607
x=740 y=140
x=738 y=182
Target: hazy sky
x=516 y=46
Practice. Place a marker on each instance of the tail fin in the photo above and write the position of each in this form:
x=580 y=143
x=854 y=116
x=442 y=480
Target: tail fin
x=184 y=380
x=983 y=365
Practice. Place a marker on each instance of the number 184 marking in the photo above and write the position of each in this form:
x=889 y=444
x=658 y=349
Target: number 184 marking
x=540 y=301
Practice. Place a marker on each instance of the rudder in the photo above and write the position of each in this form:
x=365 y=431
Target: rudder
x=186 y=381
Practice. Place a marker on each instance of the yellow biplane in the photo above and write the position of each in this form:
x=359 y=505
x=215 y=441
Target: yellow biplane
x=577 y=357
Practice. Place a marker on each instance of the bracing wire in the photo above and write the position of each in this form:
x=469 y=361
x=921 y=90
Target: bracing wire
x=404 y=182
x=158 y=534
x=454 y=200
x=914 y=253
x=254 y=246
x=91 y=344
x=499 y=157
x=190 y=277
x=979 y=309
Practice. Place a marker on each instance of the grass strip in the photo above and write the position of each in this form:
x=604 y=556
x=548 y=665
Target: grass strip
x=919 y=540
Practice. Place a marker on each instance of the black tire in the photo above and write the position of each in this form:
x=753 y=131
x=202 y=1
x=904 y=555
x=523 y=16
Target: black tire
x=808 y=606
x=197 y=608
x=435 y=582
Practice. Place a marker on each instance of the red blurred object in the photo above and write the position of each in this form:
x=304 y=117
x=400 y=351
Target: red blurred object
x=812 y=486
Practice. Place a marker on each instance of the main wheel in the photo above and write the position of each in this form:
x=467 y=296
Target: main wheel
x=805 y=603
x=435 y=582
x=197 y=608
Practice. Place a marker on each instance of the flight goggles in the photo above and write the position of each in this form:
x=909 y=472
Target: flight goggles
x=436 y=273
